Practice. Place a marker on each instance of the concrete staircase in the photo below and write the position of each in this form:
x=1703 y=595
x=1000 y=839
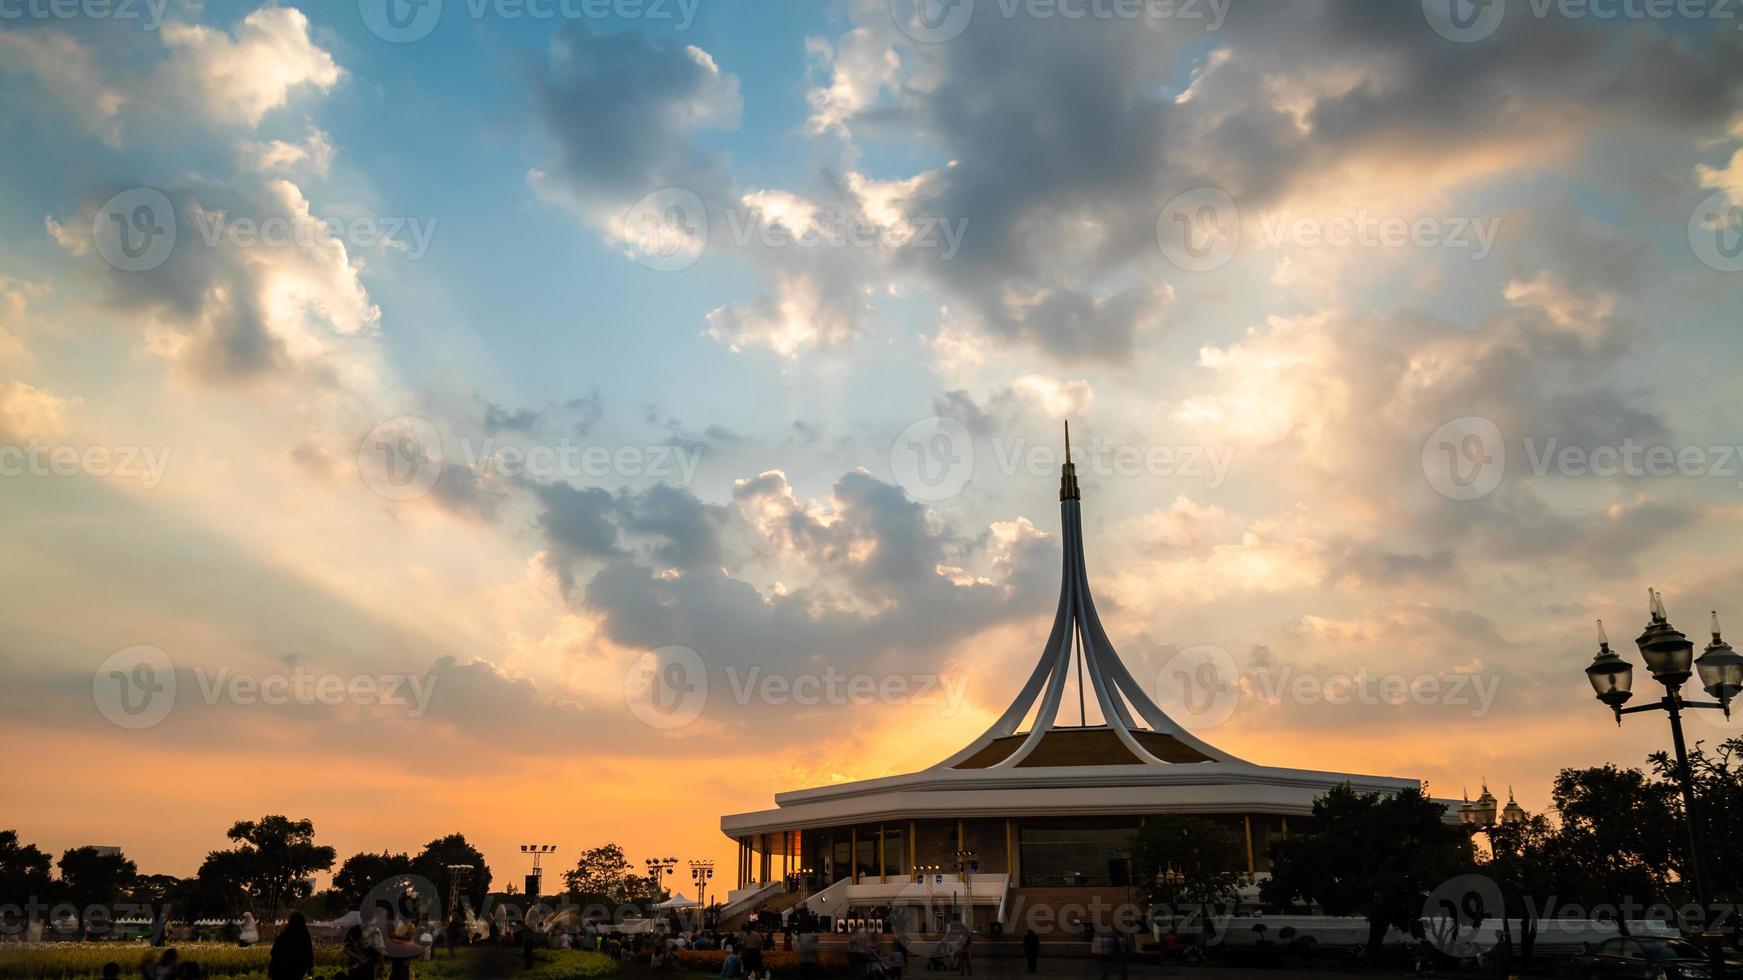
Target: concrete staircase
x=779 y=902
x=1052 y=912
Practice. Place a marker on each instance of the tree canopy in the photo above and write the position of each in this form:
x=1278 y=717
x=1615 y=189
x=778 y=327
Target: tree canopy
x=1203 y=855
x=1369 y=854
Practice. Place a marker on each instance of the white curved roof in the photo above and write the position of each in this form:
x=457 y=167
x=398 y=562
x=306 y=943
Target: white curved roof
x=1138 y=760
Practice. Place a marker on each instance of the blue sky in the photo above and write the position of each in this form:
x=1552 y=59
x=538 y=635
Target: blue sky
x=1365 y=325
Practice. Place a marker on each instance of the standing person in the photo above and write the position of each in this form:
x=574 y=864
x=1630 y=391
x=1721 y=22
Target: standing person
x=807 y=955
x=247 y=933
x=159 y=924
x=454 y=933
x=293 y=952
x=1032 y=949
x=963 y=966
x=751 y=951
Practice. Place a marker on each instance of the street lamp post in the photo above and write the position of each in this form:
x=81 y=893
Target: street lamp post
x=700 y=873
x=658 y=869
x=1482 y=817
x=459 y=875
x=925 y=874
x=1170 y=881
x=536 y=879
x=1670 y=657
x=965 y=865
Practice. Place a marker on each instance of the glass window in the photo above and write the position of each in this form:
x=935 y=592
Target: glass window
x=841 y=857
x=895 y=853
x=1055 y=855
x=866 y=861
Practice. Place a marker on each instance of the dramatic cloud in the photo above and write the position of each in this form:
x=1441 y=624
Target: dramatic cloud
x=241 y=77
x=255 y=287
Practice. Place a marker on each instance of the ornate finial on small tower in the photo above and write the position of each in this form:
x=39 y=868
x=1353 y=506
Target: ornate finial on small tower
x=1068 y=473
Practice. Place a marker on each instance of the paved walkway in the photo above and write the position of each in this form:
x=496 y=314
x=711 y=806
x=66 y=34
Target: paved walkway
x=1090 y=969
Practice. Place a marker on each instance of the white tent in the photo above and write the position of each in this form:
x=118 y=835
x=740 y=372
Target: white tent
x=678 y=901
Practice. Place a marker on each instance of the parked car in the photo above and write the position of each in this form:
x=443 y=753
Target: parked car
x=1648 y=958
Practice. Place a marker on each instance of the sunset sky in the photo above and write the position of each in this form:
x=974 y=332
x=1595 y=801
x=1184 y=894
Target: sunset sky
x=748 y=329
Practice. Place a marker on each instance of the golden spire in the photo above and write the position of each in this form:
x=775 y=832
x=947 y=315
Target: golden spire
x=1068 y=473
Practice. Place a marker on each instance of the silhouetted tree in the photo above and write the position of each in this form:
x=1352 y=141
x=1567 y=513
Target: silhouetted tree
x=433 y=863
x=23 y=870
x=1203 y=853
x=90 y=877
x=273 y=863
x=603 y=874
x=1718 y=779
x=1619 y=836
x=1527 y=860
x=362 y=872
x=219 y=890
x=1372 y=855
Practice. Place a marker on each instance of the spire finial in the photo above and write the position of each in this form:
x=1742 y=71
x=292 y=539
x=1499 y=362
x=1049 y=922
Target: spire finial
x=1068 y=472
x=1716 y=636
x=1603 y=637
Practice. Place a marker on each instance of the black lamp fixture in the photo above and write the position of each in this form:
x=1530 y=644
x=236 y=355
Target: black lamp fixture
x=1669 y=655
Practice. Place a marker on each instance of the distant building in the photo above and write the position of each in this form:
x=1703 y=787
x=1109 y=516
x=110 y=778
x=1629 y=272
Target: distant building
x=1049 y=806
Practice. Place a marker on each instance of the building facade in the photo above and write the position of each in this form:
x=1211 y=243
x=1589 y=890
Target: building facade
x=1048 y=805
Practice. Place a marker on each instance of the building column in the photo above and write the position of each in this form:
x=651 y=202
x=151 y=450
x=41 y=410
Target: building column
x=853 y=854
x=913 y=848
x=1247 y=819
x=1010 y=849
x=882 y=878
x=961 y=845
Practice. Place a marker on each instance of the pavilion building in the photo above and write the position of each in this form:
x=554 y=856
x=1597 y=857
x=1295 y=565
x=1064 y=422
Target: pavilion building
x=1047 y=807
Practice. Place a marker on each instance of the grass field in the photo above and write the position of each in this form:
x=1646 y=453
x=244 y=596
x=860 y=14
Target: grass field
x=83 y=961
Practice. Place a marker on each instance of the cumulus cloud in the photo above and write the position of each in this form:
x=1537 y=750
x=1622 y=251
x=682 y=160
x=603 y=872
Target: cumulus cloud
x=230 y=304
x=314 y=154
x=68 y=75
x=862 y=576
x=1309 y=107
x=623 y=111
x=185 y=74
x=15 y=297
x=239 y=77
x=31 y=413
